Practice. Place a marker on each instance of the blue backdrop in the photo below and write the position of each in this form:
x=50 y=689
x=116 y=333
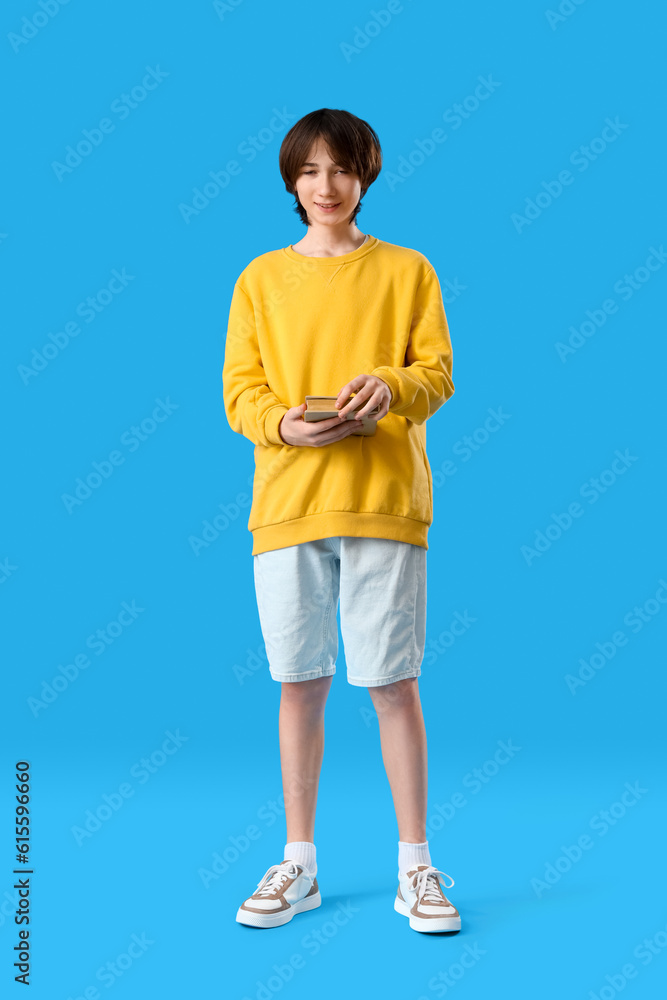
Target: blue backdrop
x=523 y=151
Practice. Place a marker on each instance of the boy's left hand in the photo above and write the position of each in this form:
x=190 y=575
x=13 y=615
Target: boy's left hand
x=370 y=391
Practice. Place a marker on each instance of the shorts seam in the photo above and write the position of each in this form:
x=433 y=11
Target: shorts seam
x=330 y=605
x=415 y=646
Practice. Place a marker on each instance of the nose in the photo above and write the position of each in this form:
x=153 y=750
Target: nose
x=326 y=187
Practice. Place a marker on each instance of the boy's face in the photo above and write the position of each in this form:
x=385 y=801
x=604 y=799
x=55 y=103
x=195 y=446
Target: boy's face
x=322 y=183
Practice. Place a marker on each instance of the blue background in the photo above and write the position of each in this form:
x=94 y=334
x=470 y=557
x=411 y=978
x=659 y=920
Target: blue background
x=191 y=661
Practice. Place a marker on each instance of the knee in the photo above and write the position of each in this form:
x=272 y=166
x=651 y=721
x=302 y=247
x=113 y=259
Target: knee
x=310 y=694
x=386 y=697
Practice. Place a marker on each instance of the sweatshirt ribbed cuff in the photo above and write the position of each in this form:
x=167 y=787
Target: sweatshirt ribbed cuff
x=388 y=376
x=272 y=421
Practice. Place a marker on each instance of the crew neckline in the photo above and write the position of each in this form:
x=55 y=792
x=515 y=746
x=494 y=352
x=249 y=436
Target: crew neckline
x=366 y=247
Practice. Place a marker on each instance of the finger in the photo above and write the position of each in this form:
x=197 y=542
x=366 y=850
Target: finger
x=321 y=428
x=369 y=403
x=345 y=403
x=355 y=402
x=349 y=387
x=337 y=434
x=326 y=425
x=344 y=427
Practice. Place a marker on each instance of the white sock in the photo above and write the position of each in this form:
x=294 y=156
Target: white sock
x=302 y=852
x=412 y=855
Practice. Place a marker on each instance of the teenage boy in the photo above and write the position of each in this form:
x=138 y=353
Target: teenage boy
x=338 y=516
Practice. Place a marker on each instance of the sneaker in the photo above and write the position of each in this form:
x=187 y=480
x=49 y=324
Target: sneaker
x=284 y=890
x=420 y=897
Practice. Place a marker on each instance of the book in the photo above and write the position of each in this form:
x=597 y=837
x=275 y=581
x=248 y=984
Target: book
x=323 y=407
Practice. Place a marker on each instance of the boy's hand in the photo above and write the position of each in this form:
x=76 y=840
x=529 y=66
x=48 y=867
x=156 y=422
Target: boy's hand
x=370 y=391
x=293 y=429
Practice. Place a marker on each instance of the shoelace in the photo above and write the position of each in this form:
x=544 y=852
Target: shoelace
x=275 y=876
x=427 y=884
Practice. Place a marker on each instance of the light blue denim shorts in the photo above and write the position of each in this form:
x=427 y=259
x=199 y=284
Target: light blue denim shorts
x=380 y=585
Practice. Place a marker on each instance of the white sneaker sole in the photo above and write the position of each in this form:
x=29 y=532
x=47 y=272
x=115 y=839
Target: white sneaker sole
x=282 y=917
x=429 y=925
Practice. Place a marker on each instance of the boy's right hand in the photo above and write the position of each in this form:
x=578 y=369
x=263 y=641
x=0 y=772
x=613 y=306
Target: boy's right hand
x=293 y=429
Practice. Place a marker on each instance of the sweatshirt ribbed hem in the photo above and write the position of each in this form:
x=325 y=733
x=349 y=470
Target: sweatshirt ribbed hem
x=333 y=523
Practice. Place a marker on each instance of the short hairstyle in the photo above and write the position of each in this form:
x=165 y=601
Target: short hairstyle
x=350 y=140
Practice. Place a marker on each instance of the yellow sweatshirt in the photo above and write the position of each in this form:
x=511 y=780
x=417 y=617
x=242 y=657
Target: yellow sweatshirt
x=305 y=326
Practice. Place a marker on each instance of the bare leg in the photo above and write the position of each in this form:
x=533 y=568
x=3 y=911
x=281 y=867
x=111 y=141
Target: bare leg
x=403 y=740
x=301 y=726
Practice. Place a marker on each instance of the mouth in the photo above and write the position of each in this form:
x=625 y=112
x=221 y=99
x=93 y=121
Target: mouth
x=327 y=208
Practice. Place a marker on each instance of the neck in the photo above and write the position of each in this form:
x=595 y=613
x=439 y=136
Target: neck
x=330 y=241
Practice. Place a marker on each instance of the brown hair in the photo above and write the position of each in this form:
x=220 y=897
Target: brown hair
x=351 y=142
